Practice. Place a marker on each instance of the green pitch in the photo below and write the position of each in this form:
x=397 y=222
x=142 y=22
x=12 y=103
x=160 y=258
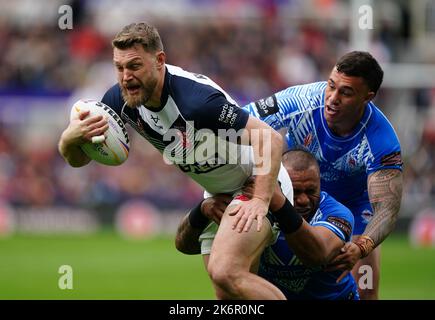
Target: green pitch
x=106 y=266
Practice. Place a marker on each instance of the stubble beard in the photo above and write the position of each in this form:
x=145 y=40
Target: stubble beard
x=145 y=92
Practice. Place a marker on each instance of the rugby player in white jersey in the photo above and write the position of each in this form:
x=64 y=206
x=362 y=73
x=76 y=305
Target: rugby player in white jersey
x=171 y=108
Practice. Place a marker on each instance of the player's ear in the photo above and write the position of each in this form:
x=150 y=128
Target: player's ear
x=369 y=97
x=160 y=59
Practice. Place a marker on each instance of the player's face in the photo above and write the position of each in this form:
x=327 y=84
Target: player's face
x=138 y=75
x=345 y=101
x=306 y=188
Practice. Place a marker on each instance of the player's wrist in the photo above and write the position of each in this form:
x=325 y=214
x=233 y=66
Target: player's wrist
x=288 y=219
x=264 y=200
x=68 y=141
x=277 y=201
x=365 y=245
x=197 y=219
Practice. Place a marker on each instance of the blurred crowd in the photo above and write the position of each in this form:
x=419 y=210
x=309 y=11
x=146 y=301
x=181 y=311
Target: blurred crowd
x=36 y=175
x=249 y=58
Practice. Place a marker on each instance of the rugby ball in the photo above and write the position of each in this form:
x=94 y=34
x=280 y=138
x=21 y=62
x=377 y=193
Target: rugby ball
x=112 y=148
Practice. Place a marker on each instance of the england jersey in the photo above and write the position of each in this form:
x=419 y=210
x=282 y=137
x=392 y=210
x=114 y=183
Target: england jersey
x=345 y=162
x=193 y=112
x=280 y=266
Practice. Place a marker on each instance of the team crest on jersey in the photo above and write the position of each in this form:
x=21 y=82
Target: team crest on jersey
x=266 y=107
x=351 y=161
x=367 y=215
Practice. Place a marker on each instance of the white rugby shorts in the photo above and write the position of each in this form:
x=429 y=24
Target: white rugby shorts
x=207 y=236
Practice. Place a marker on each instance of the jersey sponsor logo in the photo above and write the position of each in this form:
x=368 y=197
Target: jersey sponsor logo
x=117 y=119
x=266 y=107
x=228 y=114
x=392 y=159
x=341 y=224
x=291 y=277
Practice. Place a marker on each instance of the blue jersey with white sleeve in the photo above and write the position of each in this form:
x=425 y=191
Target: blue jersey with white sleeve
x=345 y=162
x=280 y=266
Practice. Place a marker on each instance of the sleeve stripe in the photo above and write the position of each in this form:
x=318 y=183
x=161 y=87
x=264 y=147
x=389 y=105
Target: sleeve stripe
x=331 y=227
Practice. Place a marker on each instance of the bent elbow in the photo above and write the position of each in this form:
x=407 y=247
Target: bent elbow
x=179 y=245
x=182 y=247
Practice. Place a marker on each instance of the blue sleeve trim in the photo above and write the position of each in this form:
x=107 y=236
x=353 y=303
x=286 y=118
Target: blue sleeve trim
x=333 y=228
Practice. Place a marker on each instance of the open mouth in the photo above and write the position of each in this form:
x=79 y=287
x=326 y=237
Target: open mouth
x=133 y=89
x=332 y=110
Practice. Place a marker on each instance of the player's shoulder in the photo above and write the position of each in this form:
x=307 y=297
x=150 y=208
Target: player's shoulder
x=379 y=131
x=113 y=98
x=302 y=98
x=331 y=207
x=304 y=90
x=295 y=99
x=193 y=89
x=377 y=122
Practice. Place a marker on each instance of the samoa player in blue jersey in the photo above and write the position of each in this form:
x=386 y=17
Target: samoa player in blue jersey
x=296 y=262
x=311 y=235
x=358 y=151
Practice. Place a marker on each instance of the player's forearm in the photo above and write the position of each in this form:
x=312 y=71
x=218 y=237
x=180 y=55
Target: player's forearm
x=268 y=169
x=72 y=154
x=310 y=246
x=385 y=194
x=189 y=230
x=186 y=240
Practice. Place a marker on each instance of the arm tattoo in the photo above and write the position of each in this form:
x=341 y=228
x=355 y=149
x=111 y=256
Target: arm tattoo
x=187 y=238
x=385 y=194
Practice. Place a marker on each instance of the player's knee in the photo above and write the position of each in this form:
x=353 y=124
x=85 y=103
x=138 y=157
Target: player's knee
x=221 y=294
x=226 y=281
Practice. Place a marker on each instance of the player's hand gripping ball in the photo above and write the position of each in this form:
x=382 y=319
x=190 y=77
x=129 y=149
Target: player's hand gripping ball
x=111 y=148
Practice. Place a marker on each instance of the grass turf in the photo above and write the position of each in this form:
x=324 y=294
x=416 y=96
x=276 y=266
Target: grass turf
x=106 y=266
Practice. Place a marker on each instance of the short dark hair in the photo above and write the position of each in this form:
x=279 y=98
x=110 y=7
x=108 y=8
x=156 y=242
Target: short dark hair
x=362 y=64
x=138 y=33
x=299 y=159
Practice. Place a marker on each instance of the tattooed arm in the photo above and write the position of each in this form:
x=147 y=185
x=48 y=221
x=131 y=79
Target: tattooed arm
x=186 y=240
x=385 y=194
x=193 y=224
